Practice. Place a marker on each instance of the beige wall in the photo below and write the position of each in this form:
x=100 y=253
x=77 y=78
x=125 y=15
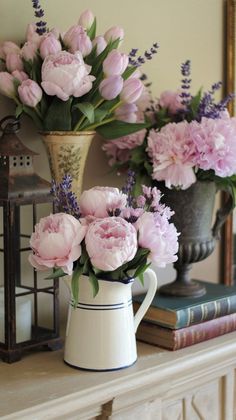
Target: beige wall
x=184 y=29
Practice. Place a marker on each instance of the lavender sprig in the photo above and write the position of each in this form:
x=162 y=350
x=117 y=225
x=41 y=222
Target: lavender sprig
x=39 y=13
x=64 y=199
x=128 y=187
x=148 y=55
x=186 y=82
x=208 y=108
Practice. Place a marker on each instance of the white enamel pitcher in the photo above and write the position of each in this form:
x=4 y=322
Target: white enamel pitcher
x=100 y=333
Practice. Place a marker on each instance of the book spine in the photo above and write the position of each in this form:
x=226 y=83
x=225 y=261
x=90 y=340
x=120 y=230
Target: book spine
x=206 y=311
x=202 y=332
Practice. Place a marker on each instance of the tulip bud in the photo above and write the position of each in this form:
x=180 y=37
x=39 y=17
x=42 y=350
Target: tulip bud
x=100 y=43
x=7 y=87
x=32 y=35
x=29 y=51
x=49 y=45
x=111 y=87
x=76 y=39
x=14 y=62
x=132 y=90
x=30 y=93
x=127 y=113
x=8 y=47
x=114 y=33
x=115 y=63
x=20 y=75
x=86 y=19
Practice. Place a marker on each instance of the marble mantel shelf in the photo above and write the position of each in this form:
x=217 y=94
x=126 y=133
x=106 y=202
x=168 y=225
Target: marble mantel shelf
x=161 y=385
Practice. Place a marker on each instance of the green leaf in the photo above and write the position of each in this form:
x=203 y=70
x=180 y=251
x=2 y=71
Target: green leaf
x=75 y=283
x=97 y=68
x=58 y=116
x=140 y=270
x=92 y=30
x=116 y=129
x=141 y=278
x=34 y=116
x=127 y=73
x=194 y=104
x=87 y=110
x=19 y=110
x=58 y=272
x=99 y=114
x=94 y=282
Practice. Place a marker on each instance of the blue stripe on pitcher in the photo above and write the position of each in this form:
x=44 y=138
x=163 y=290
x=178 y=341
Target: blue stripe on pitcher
x=98 y=307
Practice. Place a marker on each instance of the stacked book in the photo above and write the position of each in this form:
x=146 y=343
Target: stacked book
x=177 y=322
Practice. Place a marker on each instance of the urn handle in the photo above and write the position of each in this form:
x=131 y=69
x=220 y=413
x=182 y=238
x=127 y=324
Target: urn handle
x=221 y=216
x=148 y=298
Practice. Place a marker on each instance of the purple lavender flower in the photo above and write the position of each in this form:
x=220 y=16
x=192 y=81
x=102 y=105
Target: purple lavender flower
x=65 y=200
x=128 y=187
x=148 y=55
x=185 y=82
x=39 y=13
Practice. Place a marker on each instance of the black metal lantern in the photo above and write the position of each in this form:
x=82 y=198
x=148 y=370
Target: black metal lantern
x=23 y=296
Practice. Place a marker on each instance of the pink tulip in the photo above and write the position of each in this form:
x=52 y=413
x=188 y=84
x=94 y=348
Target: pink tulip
x=76 y=39
x=132 y=90
x=20 y=75
x=32 y=35
x=56 y=242
x=30 y=93
x=49 y=45
x=98 y=201
x=8 y=47
x=65 y=75
x=111 y=87
x=7 y=87
x=14 y=62
x=86 y=19
x=110 y=243
x=29 y=51
x=100 y=43
x=116 y=32
x=115 y=63
x=127 y=113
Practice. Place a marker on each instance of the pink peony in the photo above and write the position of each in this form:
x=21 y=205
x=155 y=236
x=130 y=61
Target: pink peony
x=119 y=149
x=215 y=144
x=56 y=242
x=159 y=236
x=65 y=75
x=172 y=153
x=76 y=39
x=172 y=101
x=110 y=243
x=99 y=200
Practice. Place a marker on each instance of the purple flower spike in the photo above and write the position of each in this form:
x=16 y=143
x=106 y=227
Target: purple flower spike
x=39 y=13
x=64 y=199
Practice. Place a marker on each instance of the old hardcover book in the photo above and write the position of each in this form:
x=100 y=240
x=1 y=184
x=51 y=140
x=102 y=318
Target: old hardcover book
x=179 y=312
x=177 y=339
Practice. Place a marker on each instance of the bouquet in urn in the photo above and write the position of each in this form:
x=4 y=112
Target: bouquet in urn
x=107 y=235
x=73 y=81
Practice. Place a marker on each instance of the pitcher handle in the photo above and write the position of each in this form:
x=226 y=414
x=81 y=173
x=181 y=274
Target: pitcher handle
x=221 y=216
x=148 y=298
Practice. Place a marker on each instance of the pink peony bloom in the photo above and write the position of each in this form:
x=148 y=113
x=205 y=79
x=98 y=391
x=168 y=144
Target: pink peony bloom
x=172 y=101
x=7 y=86
x=49 y=45
x=65 y=75
x=115 y=63
x=215 y=144
x=20 y=75
x=172 y=154
x=116 y=32
x=110 y=87
x=29 y=51
x=98 y=201
x=56 y=242
x=132 y=90
x=110 y=243
x=119 y=149
x=100 y=43
x=14 y=62
x=76 y=39
x=30 y=93
x=86 y=19
x=8 y=47
x=159 y=236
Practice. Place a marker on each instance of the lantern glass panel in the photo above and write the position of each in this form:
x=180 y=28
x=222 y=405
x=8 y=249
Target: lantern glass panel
x=2 y=317
x=23 y=310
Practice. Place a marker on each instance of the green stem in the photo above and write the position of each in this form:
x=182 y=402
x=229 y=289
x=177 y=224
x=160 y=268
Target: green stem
x=93 y=126
x=115 y=107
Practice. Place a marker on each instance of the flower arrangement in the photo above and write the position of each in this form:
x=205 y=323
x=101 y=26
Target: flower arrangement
x=72 y=81
x=108 y=235
x=191 y=138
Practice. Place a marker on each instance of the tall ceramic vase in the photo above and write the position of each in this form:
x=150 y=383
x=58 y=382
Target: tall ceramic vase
x=193 y=217
x=100 y=332
x=67 y=153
